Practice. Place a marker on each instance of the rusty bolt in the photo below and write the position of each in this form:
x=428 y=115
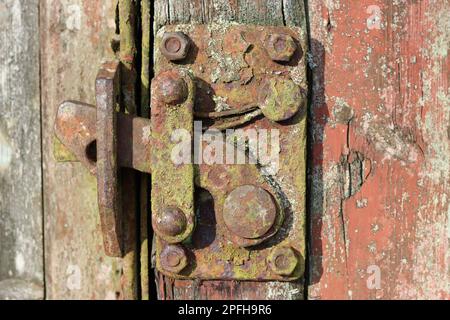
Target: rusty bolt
x=249 y=212
x=281 y=47
x=173 y=258
x=171 y=222
x=171 y=87
x=175 y=45
x=281 y=98
x=283 y=261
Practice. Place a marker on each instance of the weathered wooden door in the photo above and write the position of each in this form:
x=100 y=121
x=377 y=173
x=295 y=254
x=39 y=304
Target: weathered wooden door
x=378 y=176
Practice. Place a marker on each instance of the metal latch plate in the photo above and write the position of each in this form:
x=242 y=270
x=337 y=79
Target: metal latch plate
x=233 y=67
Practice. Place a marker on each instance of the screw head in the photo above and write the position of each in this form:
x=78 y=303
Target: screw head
x=173 y=258
x=249 y=212
x=283 y=261
x=281 y=47
x=175 y=45
x=170 y=222
x=280 y=99
x=172 y=89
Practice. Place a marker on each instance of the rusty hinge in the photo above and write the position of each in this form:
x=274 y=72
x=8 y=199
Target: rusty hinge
x=225 y=144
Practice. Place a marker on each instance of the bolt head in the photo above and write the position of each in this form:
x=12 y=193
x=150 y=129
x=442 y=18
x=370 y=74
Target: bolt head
x=175 y=45
x=173 y=258
x=283 y=261
x=170 y=222
x=280 y=99
x=249 y=212
x=172 y=89
x=281 y=47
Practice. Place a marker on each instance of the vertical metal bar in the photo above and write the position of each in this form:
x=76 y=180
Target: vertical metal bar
x=108 y=186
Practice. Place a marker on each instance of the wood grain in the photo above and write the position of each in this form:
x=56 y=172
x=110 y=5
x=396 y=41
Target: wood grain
x=21 y=245
x=145 y=179
x=268 y=12
x=75 y=38
x=380 y=148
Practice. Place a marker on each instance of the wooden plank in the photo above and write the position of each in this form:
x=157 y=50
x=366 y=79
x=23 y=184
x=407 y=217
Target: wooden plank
x=145 y=179
x=75 y=39
x=21 y=245
x=268 y=12
x=381 y=151
x=127 y=54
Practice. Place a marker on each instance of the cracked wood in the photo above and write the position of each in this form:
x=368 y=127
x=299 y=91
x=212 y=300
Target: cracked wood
x=380 y=171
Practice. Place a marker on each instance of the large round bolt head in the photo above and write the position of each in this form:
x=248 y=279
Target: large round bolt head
x=173 y=258
x=280 y=99
x=281 y=47
x=171 y=87
x=170 y=222
x=283 y=261
x=249 y=212
x=175 y=45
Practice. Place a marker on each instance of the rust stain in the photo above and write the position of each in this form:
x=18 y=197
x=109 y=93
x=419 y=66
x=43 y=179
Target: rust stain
x=229 y=63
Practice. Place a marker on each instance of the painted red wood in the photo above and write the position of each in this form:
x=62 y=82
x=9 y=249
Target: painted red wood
x=380 y=150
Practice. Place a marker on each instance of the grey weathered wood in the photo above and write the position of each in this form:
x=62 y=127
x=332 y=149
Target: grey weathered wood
x=261 y=12
x=21 y=253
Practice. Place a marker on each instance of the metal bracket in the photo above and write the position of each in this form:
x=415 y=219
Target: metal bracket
x=105 y=140
x=212 y=220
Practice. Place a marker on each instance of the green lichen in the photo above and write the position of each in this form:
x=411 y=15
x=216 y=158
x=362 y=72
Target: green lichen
x=61 y=152
x=237 y=256
x=283 y=99
x=288 y=185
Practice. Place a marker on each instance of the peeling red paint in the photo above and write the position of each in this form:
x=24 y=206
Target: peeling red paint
x=395 y=79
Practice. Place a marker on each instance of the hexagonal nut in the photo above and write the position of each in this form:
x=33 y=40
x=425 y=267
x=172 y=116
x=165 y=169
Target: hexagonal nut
x=281 y=47
x=283 y=261
x=175 y=45
x=173 y=258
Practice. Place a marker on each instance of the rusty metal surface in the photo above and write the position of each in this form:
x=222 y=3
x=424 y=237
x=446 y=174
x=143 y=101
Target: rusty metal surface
x=108 y=175
x=280 y=46
x=175 y=46
x=249 y=212
x=134 y=142
x=218 y=247
x=172 y=104
x=230 y=65
x=104 y=141
x=173 y=258
x=171 y=222
x=75 y=129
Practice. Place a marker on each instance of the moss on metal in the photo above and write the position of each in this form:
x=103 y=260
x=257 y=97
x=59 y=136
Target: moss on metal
x=220 y=51
x=61 y=152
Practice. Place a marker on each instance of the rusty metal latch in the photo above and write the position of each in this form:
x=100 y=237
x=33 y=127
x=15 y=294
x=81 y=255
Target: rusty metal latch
x=217 y=88
x=94 y=135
